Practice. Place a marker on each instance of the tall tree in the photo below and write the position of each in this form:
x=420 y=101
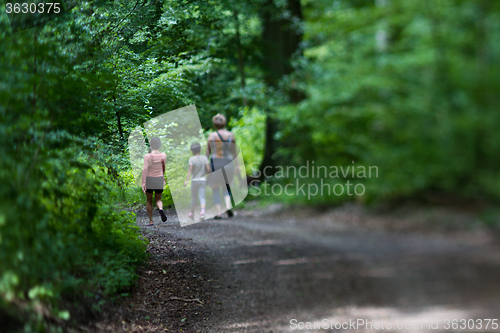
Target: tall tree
x=281 y=36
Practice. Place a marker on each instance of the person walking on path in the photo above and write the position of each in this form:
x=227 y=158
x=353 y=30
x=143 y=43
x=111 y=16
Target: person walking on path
x=221 y=149
x=198 y=168
x=153 y=178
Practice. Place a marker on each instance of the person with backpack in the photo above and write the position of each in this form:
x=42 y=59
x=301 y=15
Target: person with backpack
x=221 y=149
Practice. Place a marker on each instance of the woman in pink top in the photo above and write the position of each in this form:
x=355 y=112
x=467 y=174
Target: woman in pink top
x=153 y=178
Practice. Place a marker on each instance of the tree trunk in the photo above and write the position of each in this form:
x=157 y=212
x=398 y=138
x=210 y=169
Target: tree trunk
x=281 y=38
x=120 y=129
x=119 y=120
x=241 y=60
x=34 y=70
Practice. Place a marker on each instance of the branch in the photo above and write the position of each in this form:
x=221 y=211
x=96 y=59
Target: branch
x=126 y=16
x=174 y=298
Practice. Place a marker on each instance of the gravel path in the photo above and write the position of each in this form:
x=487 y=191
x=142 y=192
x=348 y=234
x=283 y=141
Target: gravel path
x=258 y=274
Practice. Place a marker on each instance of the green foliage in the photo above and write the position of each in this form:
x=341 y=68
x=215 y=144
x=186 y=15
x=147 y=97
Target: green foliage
x=60 y=230
x=410 y=87
x=130 y=194
x=249 y=133
x=71 y=91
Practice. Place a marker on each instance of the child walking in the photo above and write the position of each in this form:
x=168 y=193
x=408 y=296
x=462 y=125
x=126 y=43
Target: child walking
x=153 y=178
x=198 y=168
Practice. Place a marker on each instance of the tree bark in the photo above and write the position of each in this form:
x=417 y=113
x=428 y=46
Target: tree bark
x=119 y=120
x=120 y=129
x=34 y=69
x=241 y=60
x=281 y=40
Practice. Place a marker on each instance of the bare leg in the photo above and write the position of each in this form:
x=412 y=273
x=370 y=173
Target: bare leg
x=159 y=204
x=149 y=197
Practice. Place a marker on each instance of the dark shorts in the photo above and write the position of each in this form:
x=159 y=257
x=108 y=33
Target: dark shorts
x=151 y=191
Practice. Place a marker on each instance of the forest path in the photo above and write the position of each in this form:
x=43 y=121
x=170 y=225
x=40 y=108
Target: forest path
x=257 y=274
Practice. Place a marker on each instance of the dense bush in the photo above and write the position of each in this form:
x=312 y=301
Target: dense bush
x=61 y=232
x=249 y=130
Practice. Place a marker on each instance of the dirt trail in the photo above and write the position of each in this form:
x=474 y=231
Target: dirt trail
x=257 y=274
